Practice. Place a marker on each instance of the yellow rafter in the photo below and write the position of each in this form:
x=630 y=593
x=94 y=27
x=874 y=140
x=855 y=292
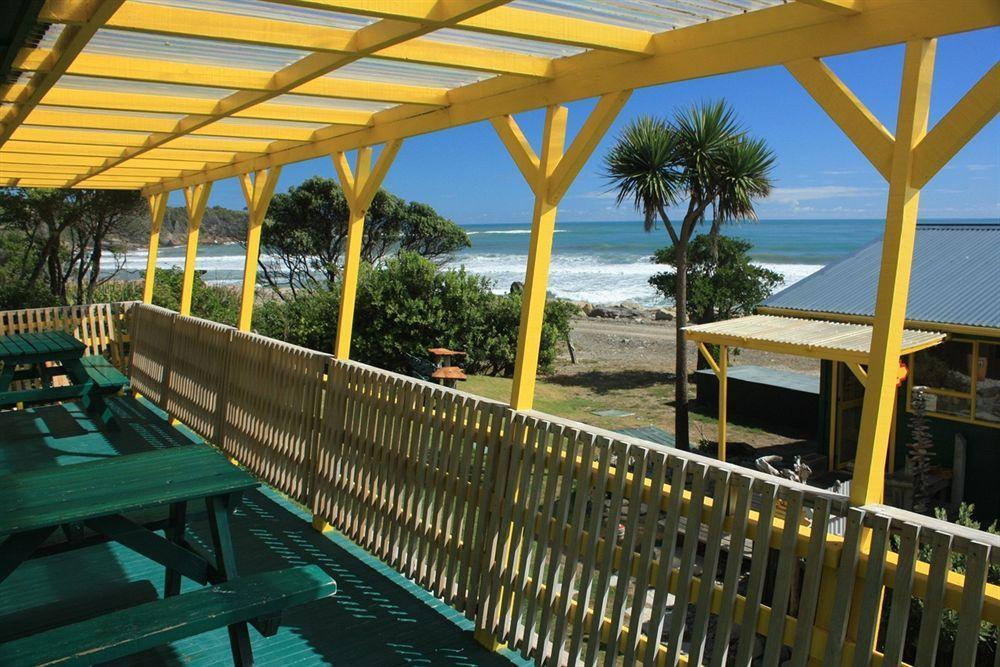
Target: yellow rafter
x=307 y=70
x=179 y=21
x=761 y=38
x=157 y=211
x=67 y=48
x=506 y=21
x=130 y=68
x=844 y=7
x=976 y=108
x=118 y=101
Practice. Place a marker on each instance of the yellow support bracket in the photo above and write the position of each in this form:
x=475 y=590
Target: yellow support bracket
x=858 y=371
x=847 y=111
x=157 y=211
x=196 y=198
x=548 y=176
x=258 y=190
x=976 y=108
x=708 y=357
x=359 y=189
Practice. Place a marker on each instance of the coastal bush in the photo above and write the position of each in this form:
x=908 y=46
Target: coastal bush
x=718 y=287
x=218 y=303
x=408 y=304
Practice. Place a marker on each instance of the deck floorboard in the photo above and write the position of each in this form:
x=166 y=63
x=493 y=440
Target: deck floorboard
x=377 y=617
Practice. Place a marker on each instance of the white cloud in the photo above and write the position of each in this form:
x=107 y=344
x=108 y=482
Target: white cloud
x=599 y=194
x=980 y=167
x=795 y=196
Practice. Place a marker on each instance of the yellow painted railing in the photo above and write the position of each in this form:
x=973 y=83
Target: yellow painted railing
x=569 y=543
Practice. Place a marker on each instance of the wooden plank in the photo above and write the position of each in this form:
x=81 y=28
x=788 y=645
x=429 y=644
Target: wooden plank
x=128 y=631
x=741 y=484
x=902 y=592
x=758 y=568
x=846 y=573
x=872 y=591
x=811 y=580
x=977 y=562
x=116 y=485
x=930 y=620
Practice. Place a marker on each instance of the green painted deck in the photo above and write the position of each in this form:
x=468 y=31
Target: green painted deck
x=377 y=617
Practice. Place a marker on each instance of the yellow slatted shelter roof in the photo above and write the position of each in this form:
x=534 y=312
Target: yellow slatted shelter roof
x=162 y=94
x=819 y=339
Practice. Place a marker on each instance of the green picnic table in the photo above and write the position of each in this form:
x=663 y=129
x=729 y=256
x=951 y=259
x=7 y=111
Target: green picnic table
x=29 y=355
x=99 y=495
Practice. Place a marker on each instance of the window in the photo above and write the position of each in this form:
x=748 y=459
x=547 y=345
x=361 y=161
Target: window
x=988 y=383
x=962 y=380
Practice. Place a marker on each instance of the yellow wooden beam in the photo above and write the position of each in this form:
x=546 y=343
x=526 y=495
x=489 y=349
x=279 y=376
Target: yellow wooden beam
x=66 y=49
x=894 y=276
x=519 y=148
x=976 y=108
x=131 y=68
x=847 y=111
x=858 y=372
x=179 y=21
x=539 y=256
x=45 y=117
x=506 y=21
x=157 y=210
x=33 y=147
x=196 y=198
x=709 y=359
x=258 y=190
x=359 y=186
x=310 y=69
x=119 y=101
x=761 y=38
x=844 y=7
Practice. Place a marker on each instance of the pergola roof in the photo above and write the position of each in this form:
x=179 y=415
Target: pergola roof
x=161 y=94
x=819 y=339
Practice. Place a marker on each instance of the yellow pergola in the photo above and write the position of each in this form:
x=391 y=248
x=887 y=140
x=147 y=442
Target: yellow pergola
x=166 y=95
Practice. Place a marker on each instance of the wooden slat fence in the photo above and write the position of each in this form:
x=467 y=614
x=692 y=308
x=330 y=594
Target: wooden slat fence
x=100 y=326
x=575 y=545
x=269 y=418
x=197 y=374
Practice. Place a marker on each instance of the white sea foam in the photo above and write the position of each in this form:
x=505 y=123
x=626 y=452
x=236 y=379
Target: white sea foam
x=506 y=231
x=577 y=277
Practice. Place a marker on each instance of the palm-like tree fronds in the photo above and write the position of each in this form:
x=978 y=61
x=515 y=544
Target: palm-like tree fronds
x=642 y=165
x=743 y=175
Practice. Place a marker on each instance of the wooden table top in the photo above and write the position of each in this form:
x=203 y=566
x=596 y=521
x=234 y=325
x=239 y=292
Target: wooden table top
x=56 y=495
x=39 y=345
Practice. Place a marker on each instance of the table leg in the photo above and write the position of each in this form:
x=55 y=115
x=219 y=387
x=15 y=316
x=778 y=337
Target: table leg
x=18 y=547
x=175 y=531
x=225 y=559
x=6 y=375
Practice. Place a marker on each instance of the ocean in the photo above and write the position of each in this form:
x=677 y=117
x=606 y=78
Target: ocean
x=599 y=262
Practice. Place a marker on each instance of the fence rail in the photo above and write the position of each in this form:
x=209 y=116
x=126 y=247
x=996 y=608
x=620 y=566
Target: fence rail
x=100 y=326
x=569 y=543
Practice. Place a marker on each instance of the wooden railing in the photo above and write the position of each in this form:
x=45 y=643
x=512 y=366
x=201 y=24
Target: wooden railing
x=569 y=543
x=101 y=327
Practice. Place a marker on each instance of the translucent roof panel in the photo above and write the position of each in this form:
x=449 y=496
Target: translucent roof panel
x=649 y=15
x=270 y=10
x=330 y=103
x=48 y=40
x=141 y=87
x=106 y=112
x=503 y=43
x=383 y=71
x=254 y=122
x=191 y=50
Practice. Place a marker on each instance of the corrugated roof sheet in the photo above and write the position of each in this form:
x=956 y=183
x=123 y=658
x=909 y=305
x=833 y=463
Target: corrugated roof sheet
x=955 y=279
x=819 y=339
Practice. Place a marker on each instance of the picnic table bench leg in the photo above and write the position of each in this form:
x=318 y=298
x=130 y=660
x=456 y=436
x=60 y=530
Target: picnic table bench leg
x=225 y=559
x=6 y=375
x=175 y=532
x=18 y=547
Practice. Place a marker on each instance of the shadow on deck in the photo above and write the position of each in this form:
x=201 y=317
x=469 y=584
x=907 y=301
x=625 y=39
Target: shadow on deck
x=377 y=617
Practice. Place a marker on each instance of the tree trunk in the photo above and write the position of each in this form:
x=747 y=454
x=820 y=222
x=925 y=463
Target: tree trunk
x=680 y=369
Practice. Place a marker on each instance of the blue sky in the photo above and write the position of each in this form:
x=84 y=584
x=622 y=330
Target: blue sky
x=466 y=174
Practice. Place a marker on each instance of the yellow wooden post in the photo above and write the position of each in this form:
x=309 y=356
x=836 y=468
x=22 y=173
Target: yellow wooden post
x=549 y=176
x=257 y=190
x=359 y=188
x=196 y=197
x=157 y=210
x=894 y=276
x=723 y=398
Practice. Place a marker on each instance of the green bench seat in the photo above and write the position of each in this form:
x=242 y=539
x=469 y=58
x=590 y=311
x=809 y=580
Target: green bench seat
x=128 y=631
x=107 y=379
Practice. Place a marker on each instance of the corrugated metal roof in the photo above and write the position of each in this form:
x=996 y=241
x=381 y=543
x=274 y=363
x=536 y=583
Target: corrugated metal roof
x=955 y=279
x=818 y=339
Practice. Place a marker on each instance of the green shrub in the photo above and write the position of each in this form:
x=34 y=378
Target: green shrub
x=408 y=304
x=218 y=303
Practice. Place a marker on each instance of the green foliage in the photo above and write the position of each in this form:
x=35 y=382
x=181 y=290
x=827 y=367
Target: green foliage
x=407 y=305
x=306 y=231
x=15 y=291
x=218 y=303
x=717 y=291
x=988 y=634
